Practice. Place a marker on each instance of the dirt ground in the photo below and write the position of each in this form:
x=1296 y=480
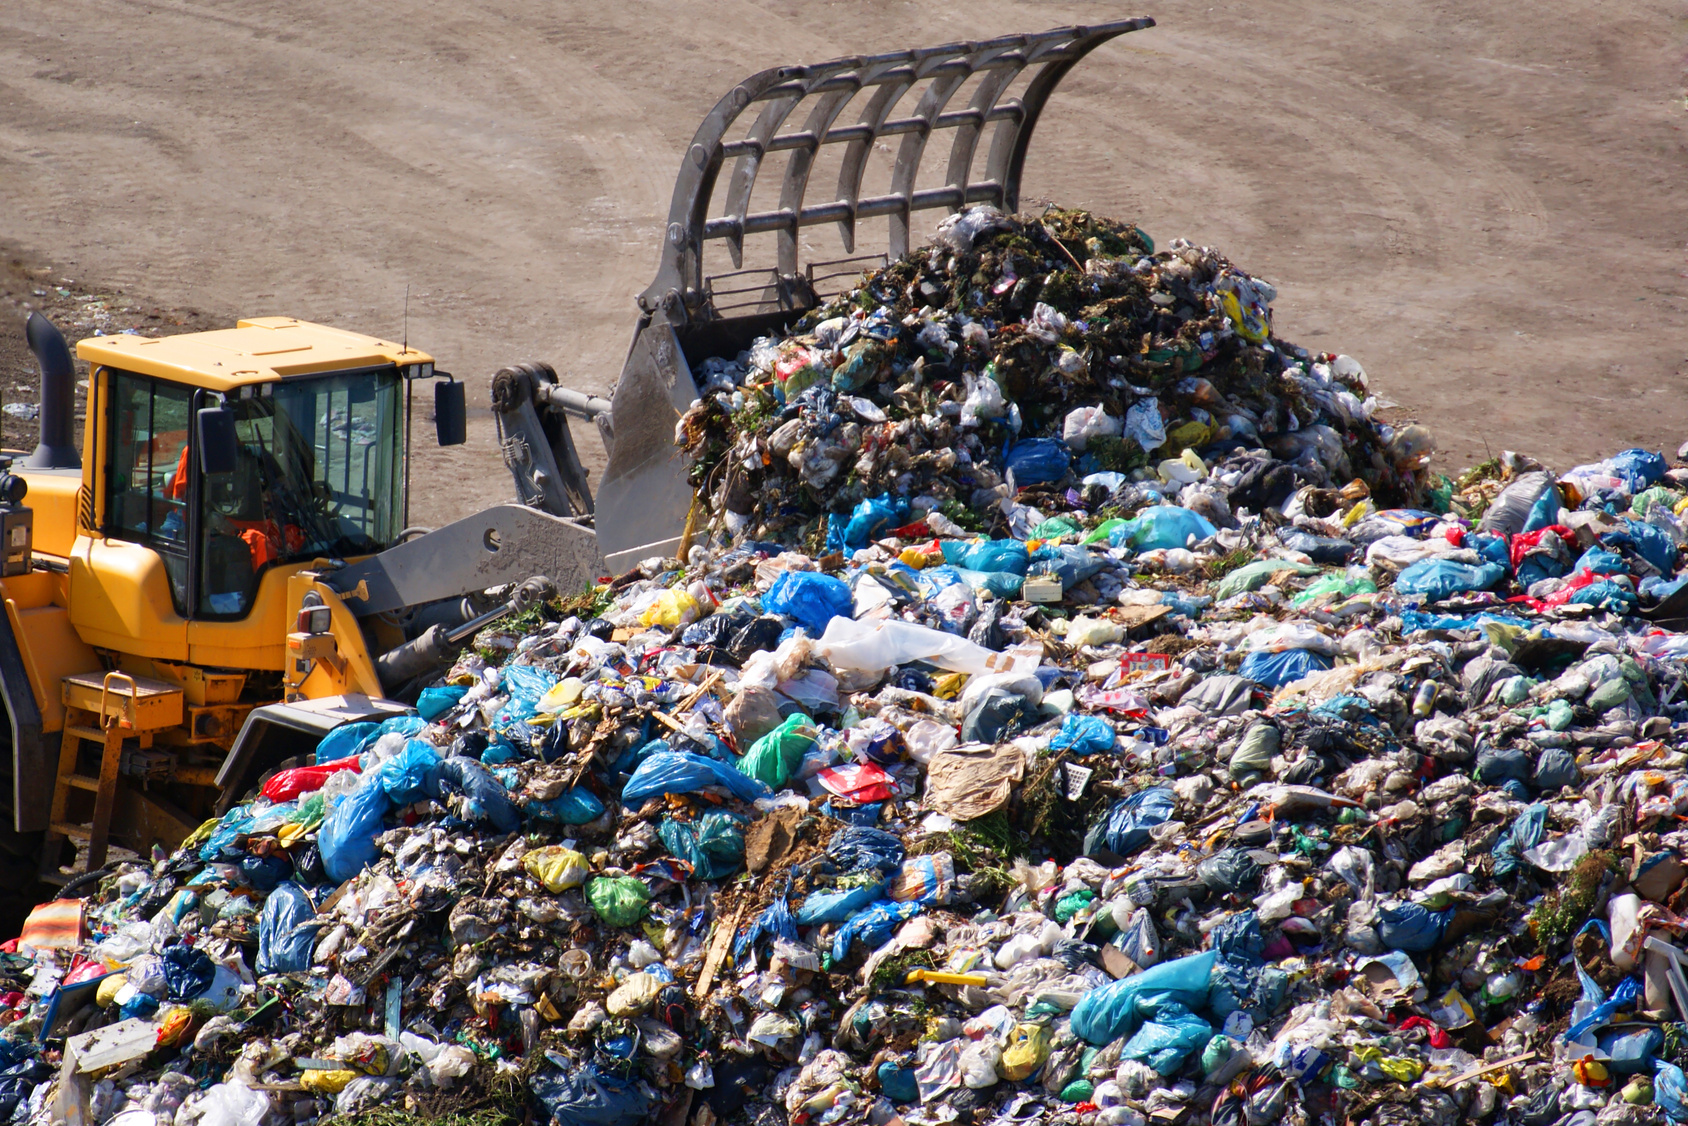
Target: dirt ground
x=1481 y=201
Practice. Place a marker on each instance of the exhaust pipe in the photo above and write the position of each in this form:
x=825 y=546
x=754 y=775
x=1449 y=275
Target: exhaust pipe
x=58 y=397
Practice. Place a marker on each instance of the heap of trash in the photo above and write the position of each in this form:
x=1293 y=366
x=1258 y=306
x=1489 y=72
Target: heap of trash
x=1081 y=708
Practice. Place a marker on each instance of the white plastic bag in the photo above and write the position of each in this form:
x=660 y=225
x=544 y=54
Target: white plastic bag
x=1143 y=424
x=230 y=1104
x=1086 y=423
x=984 y=400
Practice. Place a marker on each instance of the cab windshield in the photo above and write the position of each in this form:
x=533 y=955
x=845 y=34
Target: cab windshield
x=318 y=473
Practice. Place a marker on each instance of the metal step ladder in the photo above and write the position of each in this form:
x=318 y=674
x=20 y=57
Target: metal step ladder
x=105 y=708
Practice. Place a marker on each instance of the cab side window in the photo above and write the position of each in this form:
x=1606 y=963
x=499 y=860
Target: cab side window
x=147 y=471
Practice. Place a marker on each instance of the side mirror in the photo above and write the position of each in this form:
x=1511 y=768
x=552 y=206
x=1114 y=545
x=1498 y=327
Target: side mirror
x=219 y=448
x=451 y=413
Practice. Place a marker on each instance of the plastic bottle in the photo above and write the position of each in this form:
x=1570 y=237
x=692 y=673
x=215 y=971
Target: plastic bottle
x=1424 y=701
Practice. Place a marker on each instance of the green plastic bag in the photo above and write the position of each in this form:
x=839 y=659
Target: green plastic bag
x=1340 y=585
x=312 y=809
x=1257 y=574
x=1078 y=1091
x=1648 y=499
x=620 y=901
x=1072 y=903
x=1102 y=531
x=773 y=757
x=1438 y=495
x=1055 y=527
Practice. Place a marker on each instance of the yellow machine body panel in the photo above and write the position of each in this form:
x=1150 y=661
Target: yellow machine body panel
x=257 y=641
x=53 y=496
x=120 y=599
x=259 y=350
x=37 y=607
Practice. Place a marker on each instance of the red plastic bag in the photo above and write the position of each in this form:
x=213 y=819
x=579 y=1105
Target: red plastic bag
x=289 y=784
x=860 y=782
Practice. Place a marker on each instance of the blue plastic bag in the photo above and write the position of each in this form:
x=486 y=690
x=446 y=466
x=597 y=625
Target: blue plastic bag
x=1436 y=579
x=1652 y=544
x=485 y=797
x=344 y=741
x=1633 y=1052
x=347 y=836
x=1274 y=670
x=435 y=702
x=264 y=873
x=287 y=931
x=1411 y=926
x=1003 y=584
x=680 y=772
x=873 y=926
x=835 y=905
x=526 y=686
x=1126 y=827
x=235 y=822
x=1640 y=469
x=1118 y=1008
x=412 y=774
x=1522 y=835
x=812 y=598
x=1071 y=563
x=870 y=520
x=1545 y=511
x=1083 y=735
x=1599 y=561
x=1604 y=1007
x=1491 y=549
x=1165 y=1042
x=991 y=555
x=1038 y=461
x=1670 y=1091
x=775 y=921
x=585 y=1096
x=395 y=725
x=712 y=844
x=1236 y=972
x=859 y=848
x=188 y=972
x=573 y=807
x=1161 y=526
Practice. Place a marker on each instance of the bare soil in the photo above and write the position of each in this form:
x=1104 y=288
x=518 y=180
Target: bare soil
x=1481 y=201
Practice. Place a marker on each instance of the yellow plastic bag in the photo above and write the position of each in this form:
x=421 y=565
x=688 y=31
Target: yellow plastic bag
x=634 y=996
x=107 y=991
x=914 y=557
x=556 y=867
x=672 y=608
x=325 y=1081
x=1187 y=434
x=561 y=695
x=1398 y=1068
x=1028 y=1047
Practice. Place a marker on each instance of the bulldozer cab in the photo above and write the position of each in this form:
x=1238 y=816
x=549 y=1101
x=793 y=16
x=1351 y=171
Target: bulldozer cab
x=226 y=479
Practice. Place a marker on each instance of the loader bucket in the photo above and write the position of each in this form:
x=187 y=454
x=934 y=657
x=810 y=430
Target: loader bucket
x=833 y=116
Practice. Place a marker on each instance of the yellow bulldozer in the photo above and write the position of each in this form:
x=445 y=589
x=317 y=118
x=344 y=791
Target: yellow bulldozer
x=180 y=612
x=226 y=572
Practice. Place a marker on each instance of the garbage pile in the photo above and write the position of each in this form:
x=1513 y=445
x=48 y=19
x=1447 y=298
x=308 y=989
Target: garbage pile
x=1180 y=800
x=972 y=384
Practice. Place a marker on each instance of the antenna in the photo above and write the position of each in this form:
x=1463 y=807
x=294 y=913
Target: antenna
x=404 y=345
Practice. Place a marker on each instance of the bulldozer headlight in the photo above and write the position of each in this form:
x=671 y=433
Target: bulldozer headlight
x=314 y=619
